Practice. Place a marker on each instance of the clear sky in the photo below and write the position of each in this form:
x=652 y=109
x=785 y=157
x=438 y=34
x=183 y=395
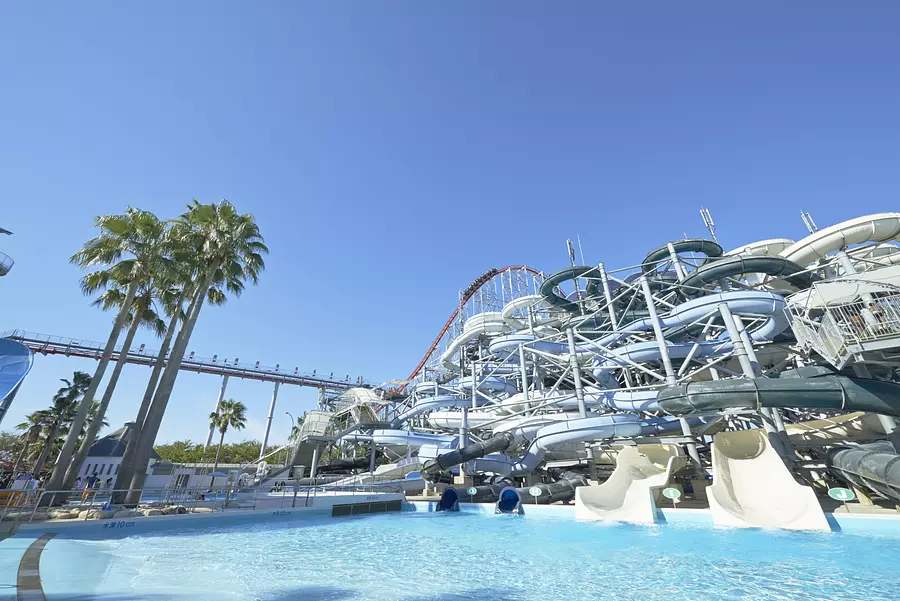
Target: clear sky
x=392 y=152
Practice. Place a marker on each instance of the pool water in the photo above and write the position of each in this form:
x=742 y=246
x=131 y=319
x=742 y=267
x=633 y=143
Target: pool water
x=456 y=557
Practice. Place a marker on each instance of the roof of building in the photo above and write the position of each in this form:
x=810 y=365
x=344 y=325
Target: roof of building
x=113 y=444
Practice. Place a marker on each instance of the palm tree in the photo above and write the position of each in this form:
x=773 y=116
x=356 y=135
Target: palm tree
x=231 y=415
x=172 y=298
x=129 y=250
x=61 y=413
x=227 y=249
x=181 y=286
x=33 y=426
x=142 y=314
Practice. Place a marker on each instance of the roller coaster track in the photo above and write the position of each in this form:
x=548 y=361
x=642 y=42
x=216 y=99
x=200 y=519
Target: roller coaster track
x=467 y=294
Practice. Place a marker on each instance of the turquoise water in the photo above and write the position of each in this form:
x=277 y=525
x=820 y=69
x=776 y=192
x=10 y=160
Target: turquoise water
x=456 y=557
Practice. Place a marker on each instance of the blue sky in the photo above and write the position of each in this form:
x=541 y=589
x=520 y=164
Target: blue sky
x=393 y=152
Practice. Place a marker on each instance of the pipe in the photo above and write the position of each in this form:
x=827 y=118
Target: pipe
x=576 y=372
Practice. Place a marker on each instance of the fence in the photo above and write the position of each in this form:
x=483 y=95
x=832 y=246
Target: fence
x=838 y=331
x=28 y=505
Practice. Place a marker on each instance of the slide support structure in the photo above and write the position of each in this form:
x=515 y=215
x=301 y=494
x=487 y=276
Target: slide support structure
x=747 y=366
x=888 y=423
x=576 y=372
x=667 y=360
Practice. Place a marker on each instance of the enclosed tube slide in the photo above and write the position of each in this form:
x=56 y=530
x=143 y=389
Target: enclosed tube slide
x=691 y=245
x=744 y=265
x=808 y=387
x=561 y=490
x=875 y=466
x=547 y=437
x=451 y=497
x=16 y=360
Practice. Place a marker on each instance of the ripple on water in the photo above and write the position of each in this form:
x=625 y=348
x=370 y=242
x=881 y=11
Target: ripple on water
x=450 y=557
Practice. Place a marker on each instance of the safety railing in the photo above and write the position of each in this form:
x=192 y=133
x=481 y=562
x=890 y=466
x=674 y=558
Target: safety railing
x=29 y=505
x=838 y=331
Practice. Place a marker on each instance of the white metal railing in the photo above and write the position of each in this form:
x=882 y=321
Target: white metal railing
x=30 y=504
x=838 y=331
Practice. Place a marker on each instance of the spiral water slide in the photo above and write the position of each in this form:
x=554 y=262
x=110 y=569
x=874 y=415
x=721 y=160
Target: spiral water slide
x=15 y=363
x=618 y=426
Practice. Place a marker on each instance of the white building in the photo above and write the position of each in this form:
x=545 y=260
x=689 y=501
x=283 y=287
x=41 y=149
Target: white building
x=105 y=456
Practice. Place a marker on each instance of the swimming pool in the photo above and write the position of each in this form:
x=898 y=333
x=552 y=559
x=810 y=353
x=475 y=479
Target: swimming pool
x=454 y=557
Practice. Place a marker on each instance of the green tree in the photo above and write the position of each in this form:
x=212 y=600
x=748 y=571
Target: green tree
x=187 y=451
x=127 y=250
x=32 y=427
x=227 y=249
x=142 y=313
x=232 y=414
x=60 y=414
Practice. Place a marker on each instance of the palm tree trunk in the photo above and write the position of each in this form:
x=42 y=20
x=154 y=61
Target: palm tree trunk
x=29 y=438
x=126 y=467
x=219 y=450
x=65 y=455
x=97 y=422
x=157 y=410
x=45 y=450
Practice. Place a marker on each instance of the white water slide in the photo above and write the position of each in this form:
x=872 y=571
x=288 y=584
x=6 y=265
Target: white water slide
x=752 y=487
x=629 y=495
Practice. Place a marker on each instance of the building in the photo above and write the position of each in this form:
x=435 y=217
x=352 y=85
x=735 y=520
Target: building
x=105 y=456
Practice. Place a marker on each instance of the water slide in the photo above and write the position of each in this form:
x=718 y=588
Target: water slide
x=562 y=489
x=874 y=466
x=880 y=227
x=752 y=488
x=547 y=437
x=813 y=387
x=15 y=363
x=629 y=495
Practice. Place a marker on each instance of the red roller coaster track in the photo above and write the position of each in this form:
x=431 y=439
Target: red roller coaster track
x=468 y=293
